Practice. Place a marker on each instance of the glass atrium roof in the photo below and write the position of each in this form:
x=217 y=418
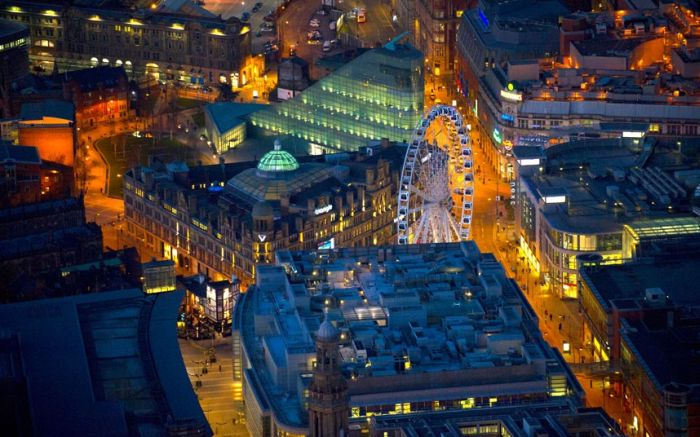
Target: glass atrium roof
x=664 y=227
x=278 y=160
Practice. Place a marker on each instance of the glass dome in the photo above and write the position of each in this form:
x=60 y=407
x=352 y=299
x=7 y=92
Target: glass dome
x=277 y=160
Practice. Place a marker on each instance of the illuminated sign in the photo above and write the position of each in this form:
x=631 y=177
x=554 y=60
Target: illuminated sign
x=323 y=209
x=510 y=86
x=512 y=96
x=262 y=237
x=632 y=134
x=555 y=199
x=529 y=162
x=328 y=244
x=507 y=117
x=497 y=136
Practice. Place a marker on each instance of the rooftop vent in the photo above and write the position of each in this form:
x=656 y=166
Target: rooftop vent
x=654 y=296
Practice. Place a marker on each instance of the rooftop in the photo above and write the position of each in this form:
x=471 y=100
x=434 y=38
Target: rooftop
x=18 y=154
x=89 y=79
x=10 y=31
x=605 y=184
x=677 y=276
x=419 y=322
x=50 y=108
x=277 y=160
x=227 y=115
x=668 y=355
x=518 y=421
x=104 y=362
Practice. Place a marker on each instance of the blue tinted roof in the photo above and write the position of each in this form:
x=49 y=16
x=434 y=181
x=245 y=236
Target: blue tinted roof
x=47 y=108
x=228 y=115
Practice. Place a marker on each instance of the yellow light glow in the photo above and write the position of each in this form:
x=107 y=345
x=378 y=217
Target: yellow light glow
x=177 y=26
x=15 y=9
x=50 y=13
x=134 y=22
x=216 y=32
x=244 y=30
x=95 y=18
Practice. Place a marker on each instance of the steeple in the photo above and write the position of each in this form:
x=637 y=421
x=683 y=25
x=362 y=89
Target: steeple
x=328 y=393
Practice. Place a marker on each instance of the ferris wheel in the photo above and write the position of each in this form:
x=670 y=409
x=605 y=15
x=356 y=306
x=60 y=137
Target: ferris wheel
x=436 y=193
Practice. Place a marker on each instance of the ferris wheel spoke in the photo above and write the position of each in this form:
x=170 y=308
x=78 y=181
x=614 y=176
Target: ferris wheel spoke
x=428 y=177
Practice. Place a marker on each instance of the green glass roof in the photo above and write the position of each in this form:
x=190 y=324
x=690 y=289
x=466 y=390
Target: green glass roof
x=277 y=160
x=664 y=227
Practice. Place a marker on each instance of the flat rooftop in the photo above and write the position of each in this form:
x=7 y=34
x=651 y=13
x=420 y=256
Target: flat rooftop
x=676 y=276
x=101 y=364
x=669 y=355
x=425 y=320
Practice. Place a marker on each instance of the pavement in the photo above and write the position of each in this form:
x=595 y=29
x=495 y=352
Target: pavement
x=216 y=393
x=559 y=319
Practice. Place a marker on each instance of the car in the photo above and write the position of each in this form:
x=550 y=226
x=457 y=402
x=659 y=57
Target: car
x=326 y=46
x=362 y=16
x=292 y=51
x=331 y=25
x=257 y=7
x=270 y=16
x=321 y=12
x=267 y=29
x=245 y=16
x=314 y=23
x=313 y=42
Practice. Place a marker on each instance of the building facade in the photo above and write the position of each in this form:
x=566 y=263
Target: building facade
x=49 y=125
x=14 y=60
x=150 y=43
x=643 y=318
x=435 y=34
x=46 y=235
x=100 y=95
x=222 y=220
x=571 y=207
x=376 y=95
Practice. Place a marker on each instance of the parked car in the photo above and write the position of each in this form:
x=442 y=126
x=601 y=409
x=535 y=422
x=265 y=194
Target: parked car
x=257 y=7
x=245 y=16
x=270 y=16
x=326 y=46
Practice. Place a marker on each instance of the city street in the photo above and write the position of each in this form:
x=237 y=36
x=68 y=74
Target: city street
x=216 y=388
x=236 y=8
x=559 y=320
x=293 y=26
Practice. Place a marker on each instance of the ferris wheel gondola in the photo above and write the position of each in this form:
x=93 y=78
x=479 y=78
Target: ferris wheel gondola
x=435 y=201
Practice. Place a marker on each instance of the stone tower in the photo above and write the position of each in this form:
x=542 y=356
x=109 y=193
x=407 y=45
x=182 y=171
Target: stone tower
x=328 y=393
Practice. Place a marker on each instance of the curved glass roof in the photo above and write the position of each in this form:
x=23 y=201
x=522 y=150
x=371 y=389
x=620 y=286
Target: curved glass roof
x=277 y=160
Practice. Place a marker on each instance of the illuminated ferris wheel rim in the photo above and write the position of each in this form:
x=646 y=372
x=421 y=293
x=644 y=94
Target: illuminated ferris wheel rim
x=425 y=200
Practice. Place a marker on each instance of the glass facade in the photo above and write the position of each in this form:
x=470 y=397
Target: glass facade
x=377 y=95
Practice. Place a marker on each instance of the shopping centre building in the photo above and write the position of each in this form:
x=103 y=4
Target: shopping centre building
x=376 y=95
x=222 y=220
x=418 y=328
x=603 y=201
